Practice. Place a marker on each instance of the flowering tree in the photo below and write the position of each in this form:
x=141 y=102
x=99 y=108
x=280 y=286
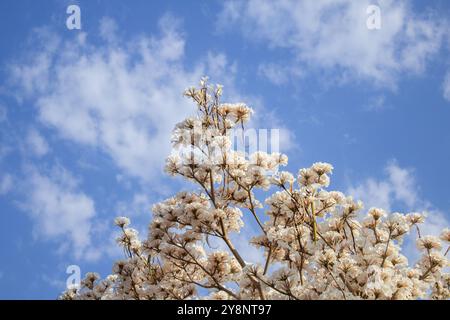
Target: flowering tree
x=315 y=243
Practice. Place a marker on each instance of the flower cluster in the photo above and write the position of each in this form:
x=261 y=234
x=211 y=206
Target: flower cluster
x=317 y=244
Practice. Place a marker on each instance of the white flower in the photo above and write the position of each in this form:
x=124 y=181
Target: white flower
x=376 y=213
x=416 y=218
x=445 y=235
x=307 y=177
x=321 y=168
x=122 y=222
x=429 y=243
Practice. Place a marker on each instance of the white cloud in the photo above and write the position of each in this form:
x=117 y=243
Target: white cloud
x=436 y=221
x=220 y=68
x=399 y=185
x=278 y=73
x=273 y=73
x=108 y=29
x=403 y=184
x=60 y=211
x=140 y=204
x=37 y=143
x=446 y=87
x=123 y=99
x=373 y=193
x=6 y=183
x=332 y=35
x=377 y=103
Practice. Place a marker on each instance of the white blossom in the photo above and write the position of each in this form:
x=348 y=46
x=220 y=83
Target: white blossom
x=122 y=222
x=315 y=243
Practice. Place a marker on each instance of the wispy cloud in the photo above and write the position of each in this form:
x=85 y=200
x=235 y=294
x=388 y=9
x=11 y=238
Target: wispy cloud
x=123 y=99
x=399 y=185
x=376 y=103
x=60 y=211
x=333 y=36
x=140 y=204
x=6 y=183
x=278 y=73
x=36 y=143
x=446 y=87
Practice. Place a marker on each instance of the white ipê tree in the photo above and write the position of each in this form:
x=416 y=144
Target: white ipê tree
x=316 y=243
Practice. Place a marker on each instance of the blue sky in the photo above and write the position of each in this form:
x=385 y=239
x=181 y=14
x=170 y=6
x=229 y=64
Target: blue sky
x=86 y=115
